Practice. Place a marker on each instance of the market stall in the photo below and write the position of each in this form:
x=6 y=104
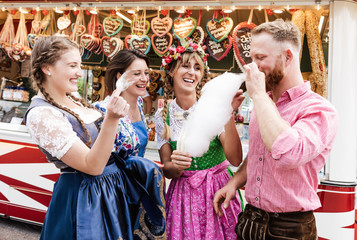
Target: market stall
x=101 y=29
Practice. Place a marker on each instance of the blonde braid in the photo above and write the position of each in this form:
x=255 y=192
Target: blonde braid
x=168 y=94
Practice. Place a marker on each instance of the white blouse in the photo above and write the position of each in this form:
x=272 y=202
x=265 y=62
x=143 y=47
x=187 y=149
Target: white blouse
x=176 y=122
x=51 y=129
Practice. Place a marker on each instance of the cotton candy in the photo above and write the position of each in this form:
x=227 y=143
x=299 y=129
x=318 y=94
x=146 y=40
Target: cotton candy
x=212 y=112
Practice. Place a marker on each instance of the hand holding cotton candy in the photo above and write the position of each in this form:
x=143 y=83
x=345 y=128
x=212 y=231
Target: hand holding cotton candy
x=124 y=81
x=212 y=112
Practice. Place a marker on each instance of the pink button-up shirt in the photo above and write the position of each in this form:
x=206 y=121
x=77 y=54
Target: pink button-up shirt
x=286 y=179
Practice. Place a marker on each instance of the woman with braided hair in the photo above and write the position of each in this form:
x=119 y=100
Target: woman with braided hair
x=189 y=206
x=94 y=193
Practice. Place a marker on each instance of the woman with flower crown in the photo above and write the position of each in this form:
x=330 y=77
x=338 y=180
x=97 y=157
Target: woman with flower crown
x=189 y=207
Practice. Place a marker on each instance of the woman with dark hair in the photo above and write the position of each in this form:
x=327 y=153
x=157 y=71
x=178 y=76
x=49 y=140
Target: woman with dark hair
x=91 y=198
x=129 y=69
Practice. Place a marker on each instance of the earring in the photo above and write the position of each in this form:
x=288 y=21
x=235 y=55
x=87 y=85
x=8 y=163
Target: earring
x=49 y=74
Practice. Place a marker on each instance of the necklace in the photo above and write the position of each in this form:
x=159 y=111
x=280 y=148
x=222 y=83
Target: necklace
x=182 y=115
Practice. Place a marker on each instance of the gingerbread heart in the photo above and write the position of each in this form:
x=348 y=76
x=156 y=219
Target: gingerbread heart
x=36 y=25
x=140 y=43
x=86 y=40
x=112 y=25
x=161 y=26
x=44 y=23
x=218 y=30
x=95 y=29
x=79 y=30
x=111 y=46
x=95 y=97
x=97 y=73
x=161 y=44
x=218 y=50
x=63 y=23
x=198 y=35
x=184 y=27
x=140 y=27
x=241 y=43
x=32 y=39
x=96 y=86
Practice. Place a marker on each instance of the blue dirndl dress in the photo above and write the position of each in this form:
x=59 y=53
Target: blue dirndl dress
x=125 y=202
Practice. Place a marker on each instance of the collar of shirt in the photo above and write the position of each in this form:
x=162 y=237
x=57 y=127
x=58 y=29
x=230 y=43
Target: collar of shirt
x=293 y=93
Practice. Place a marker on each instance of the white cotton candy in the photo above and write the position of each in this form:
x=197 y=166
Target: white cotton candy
x=124 y=82
x=211 y=113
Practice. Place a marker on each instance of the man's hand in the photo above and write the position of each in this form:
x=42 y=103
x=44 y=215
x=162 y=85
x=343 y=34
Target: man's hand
x=223 y=195
x=255 y=79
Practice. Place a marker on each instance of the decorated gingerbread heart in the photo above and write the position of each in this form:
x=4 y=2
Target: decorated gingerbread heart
x=161 y=44
x=32 y=39
x=36 y=25
x=80 y=29
x=241 y=43
x=218 y=50
x=161 y=26
x=140 y=43
x=184 y=27
x=44 y=23
x=218 y=30
x=140 y=27
x=112 y=25
x=198 y=35
x=63 y=23
x=86 y=40
x=111 y=46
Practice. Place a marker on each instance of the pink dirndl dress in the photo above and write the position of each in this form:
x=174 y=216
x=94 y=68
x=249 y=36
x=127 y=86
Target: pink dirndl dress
x=189 y=200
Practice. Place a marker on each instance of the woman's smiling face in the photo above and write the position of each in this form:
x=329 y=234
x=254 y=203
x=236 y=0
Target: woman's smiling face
x=138 y=72
x=187 y=76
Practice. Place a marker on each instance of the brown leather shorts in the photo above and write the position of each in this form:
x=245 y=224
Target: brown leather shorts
x=257 y=224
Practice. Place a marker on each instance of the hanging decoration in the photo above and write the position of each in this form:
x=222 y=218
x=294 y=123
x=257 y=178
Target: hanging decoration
x=7 y=34
x=219 y=50
x=35 y=28
x=139 y=40
x=91 y=40
x=218 y=29
x=241 y=41
x=161 y=44
x=140 y=26
x=161 y=26
x=184 y=27
x=111 y=46
x=298 y=19
x=318 y=78
x=161 y=40
x=140 y=43
x=78 y=28
x=20 y=48
x=112 y=26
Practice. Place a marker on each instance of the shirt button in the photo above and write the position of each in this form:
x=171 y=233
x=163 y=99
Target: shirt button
x=258 y=178
x=260 y=159
x=256 y=199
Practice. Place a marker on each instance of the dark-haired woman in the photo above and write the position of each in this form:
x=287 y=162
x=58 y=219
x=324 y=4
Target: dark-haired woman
x=93 y=197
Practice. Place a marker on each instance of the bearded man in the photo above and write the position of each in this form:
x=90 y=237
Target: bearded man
x=291 y=133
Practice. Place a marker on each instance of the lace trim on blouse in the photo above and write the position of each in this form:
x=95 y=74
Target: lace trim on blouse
x=175 y=123
x=52 y=131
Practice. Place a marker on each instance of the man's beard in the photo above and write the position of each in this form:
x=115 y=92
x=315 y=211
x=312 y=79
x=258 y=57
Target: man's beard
x=273 y=79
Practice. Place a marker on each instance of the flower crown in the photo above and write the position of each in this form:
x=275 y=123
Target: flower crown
x=174 y=53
